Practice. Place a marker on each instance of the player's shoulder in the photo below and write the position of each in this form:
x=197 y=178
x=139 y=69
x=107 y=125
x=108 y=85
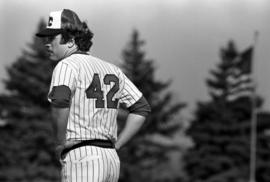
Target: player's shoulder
x=74 y=60
x=106 y=64
x=67 y=63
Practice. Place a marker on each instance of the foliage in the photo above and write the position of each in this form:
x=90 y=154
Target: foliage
x=221 y=132
x=26 y=139
x=142 y=158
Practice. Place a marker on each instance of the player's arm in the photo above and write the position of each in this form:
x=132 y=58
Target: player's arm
x=60 y=117
x=60 y=98
x=135 y=119
x=60 y=101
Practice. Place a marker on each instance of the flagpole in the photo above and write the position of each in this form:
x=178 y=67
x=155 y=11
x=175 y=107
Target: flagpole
x=253 y=127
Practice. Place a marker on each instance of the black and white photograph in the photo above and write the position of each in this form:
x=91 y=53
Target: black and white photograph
x=134 y=91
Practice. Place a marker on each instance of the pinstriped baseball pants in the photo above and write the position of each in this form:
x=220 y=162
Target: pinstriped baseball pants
x=91 y=164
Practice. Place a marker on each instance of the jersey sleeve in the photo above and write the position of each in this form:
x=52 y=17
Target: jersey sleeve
x=63 y=83
x=130 y=93
x=141 y=107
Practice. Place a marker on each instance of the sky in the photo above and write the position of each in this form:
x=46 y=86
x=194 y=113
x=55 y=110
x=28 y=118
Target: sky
x=183 y=37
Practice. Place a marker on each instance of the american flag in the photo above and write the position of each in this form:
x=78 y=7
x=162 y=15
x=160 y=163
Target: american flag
x=240 y=83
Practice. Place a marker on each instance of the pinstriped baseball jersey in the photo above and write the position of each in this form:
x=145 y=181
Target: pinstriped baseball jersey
x=97 y=87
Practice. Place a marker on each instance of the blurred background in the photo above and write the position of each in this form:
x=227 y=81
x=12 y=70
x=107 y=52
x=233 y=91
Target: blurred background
x=203 y=67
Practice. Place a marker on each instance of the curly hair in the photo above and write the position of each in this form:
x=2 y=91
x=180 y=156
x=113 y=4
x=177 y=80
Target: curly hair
x=81 y=34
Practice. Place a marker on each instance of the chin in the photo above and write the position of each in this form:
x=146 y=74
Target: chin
x=53 y=58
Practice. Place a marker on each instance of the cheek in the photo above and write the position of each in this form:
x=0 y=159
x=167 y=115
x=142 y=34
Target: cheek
x=60 y=51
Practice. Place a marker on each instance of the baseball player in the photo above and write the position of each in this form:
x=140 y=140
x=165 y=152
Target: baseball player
x=85 y=94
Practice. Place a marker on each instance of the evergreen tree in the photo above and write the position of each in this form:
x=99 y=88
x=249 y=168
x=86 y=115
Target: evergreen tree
x=263 y=147
x=221 y=130
x=27 y=152
x=142 y=159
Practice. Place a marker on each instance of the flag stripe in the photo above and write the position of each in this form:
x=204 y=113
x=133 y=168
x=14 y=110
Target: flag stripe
x=239 y=80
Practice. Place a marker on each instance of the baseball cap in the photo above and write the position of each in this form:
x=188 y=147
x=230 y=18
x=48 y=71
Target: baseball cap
x=58 y=20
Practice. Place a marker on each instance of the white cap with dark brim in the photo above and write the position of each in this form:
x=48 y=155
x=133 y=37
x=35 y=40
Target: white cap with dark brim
x=57 y=21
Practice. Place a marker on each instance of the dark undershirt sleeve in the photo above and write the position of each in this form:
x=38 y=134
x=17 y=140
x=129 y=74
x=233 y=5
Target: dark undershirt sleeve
x=141 y=107
x=60 y=96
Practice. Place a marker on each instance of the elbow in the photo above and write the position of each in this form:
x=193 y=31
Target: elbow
x=141 y=107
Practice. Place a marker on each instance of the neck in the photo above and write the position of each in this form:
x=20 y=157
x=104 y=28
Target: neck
x=70 y=51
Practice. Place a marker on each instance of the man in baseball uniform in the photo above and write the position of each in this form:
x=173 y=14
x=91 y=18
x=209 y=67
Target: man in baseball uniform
x=85 y=94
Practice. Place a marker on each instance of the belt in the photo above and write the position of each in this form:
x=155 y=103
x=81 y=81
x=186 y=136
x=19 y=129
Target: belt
x=95 y=142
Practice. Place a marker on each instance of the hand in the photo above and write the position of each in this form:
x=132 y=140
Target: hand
x=60 y=147
x=70 y=143
x=117 y=146
x=58 y=150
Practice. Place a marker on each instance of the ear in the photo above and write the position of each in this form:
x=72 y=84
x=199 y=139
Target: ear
x=71 y=43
